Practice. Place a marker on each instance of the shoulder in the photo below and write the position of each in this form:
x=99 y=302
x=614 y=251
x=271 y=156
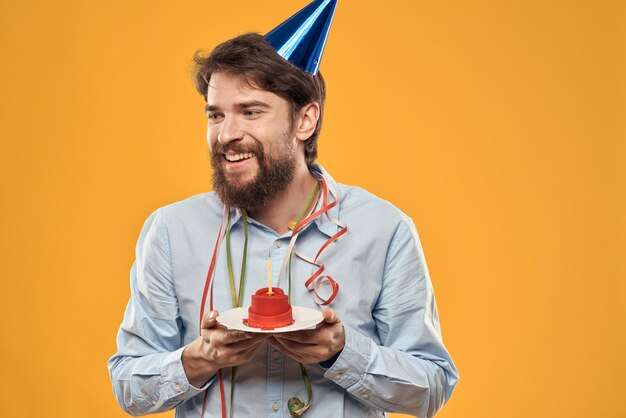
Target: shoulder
x=354 y=200
x=358 y=203
x=201 y=204
x=199 y=208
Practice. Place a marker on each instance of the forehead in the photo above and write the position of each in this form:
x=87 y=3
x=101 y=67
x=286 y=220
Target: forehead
x=223 y=86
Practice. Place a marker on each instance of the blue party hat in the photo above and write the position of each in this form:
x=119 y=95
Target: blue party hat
x=301 y=38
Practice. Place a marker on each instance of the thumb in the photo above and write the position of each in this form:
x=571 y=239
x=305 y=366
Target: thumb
x=330 y=317
x=209 y=320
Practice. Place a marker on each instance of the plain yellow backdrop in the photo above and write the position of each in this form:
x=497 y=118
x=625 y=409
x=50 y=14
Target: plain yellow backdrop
x=497 y=125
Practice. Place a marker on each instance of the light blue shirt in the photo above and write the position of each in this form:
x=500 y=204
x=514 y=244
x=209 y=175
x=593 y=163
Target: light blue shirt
x=394 y=358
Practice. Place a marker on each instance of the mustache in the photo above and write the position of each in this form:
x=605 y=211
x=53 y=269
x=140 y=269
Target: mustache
x=255 y=148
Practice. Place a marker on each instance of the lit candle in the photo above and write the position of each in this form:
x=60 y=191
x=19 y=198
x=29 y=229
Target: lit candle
x=269 y=277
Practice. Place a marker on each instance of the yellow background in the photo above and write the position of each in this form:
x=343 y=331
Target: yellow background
x=497 y=125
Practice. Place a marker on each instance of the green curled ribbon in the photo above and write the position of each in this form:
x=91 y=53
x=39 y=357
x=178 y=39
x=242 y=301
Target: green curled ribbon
x=295 y=404
x=296 y=407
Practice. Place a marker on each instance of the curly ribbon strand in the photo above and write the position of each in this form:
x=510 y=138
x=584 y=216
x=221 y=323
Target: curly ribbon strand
x=208 y=283
x=316 y=280
x=237 y=299
x=296 y=406
x=224 y=232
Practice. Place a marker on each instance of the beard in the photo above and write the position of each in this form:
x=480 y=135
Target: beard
x=274 y=173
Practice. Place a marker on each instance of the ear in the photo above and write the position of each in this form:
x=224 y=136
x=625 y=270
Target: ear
x=306 y=121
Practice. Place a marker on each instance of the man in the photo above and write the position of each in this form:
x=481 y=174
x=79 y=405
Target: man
x=378 y=347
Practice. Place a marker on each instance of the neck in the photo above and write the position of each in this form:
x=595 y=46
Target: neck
x=285 y=207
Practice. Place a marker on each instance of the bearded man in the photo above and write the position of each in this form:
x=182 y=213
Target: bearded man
x=357 y=259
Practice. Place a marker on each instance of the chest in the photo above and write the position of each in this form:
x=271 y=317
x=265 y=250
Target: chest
x=353 y=261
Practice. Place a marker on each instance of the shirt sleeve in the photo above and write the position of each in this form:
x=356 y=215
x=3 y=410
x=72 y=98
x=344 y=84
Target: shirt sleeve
x=147 y=372
x=410 y=371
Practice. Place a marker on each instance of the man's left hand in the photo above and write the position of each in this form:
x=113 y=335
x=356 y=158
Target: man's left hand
x=315 y=345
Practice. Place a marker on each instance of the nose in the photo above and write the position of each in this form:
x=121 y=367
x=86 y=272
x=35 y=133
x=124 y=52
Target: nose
x=229 y=130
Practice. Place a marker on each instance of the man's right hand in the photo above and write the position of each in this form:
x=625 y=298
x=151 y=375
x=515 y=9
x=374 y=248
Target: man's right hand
x=216 y=348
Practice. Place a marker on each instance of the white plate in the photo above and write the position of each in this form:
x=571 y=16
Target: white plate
x=303 y=318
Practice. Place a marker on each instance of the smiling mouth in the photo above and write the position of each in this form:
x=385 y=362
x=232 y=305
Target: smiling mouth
x=238 y=157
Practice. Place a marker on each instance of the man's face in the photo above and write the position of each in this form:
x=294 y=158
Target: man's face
x=253 y=149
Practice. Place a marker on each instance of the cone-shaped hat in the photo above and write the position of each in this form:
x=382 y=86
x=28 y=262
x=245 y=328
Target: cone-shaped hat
x=301 y=39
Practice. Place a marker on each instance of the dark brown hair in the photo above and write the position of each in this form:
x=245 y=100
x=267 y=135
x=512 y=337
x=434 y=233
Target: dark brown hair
x=250 y=57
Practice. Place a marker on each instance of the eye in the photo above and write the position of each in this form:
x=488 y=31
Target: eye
x=250 y=113
x=214 y=116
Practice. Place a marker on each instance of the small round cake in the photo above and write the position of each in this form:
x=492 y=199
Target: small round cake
x=269 y=311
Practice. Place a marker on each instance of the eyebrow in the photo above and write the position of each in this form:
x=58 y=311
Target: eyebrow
x=242 y=105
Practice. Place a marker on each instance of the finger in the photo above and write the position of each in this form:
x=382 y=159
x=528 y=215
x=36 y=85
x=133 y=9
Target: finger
x=248 y=353
x=297 y=346
x=209 y=320
x=248 y=341
x=242 y=338
x=299 y=336
x=304 y=353
x=276 y=343
x=283 y=348
x=330 y=316
x=238 y=352
x=226 y=337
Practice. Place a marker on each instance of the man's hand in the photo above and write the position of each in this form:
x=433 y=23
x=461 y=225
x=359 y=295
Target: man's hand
x=316 y=345
x=217 y=348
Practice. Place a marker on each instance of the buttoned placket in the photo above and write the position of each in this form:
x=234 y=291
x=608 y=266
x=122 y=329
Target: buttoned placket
x=275 y=361
x=276 y=405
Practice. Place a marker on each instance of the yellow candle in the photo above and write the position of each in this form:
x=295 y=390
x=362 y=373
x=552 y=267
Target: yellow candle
x=269 y=277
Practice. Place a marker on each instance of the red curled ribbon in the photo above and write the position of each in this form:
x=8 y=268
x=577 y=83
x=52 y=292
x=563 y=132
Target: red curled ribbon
x=208 y=285
x=313 y=283
x=316 y=280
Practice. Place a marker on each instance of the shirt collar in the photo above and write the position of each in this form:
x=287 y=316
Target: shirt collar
x=322 y=222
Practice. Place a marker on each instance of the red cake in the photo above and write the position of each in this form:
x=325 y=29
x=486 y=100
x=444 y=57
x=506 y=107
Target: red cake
x=269 y=311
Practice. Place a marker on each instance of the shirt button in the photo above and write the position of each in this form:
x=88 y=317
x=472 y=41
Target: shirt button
x=275 y=355
x=177 y=387
x=366 y=396
x=275 y=406
x=153 y=402
x=338 y=376
x=279 y=244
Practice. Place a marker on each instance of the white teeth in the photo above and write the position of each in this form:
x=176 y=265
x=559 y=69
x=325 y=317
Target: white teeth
x=237 y=157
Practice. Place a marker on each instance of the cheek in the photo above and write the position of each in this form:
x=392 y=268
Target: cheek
x=211 y=136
